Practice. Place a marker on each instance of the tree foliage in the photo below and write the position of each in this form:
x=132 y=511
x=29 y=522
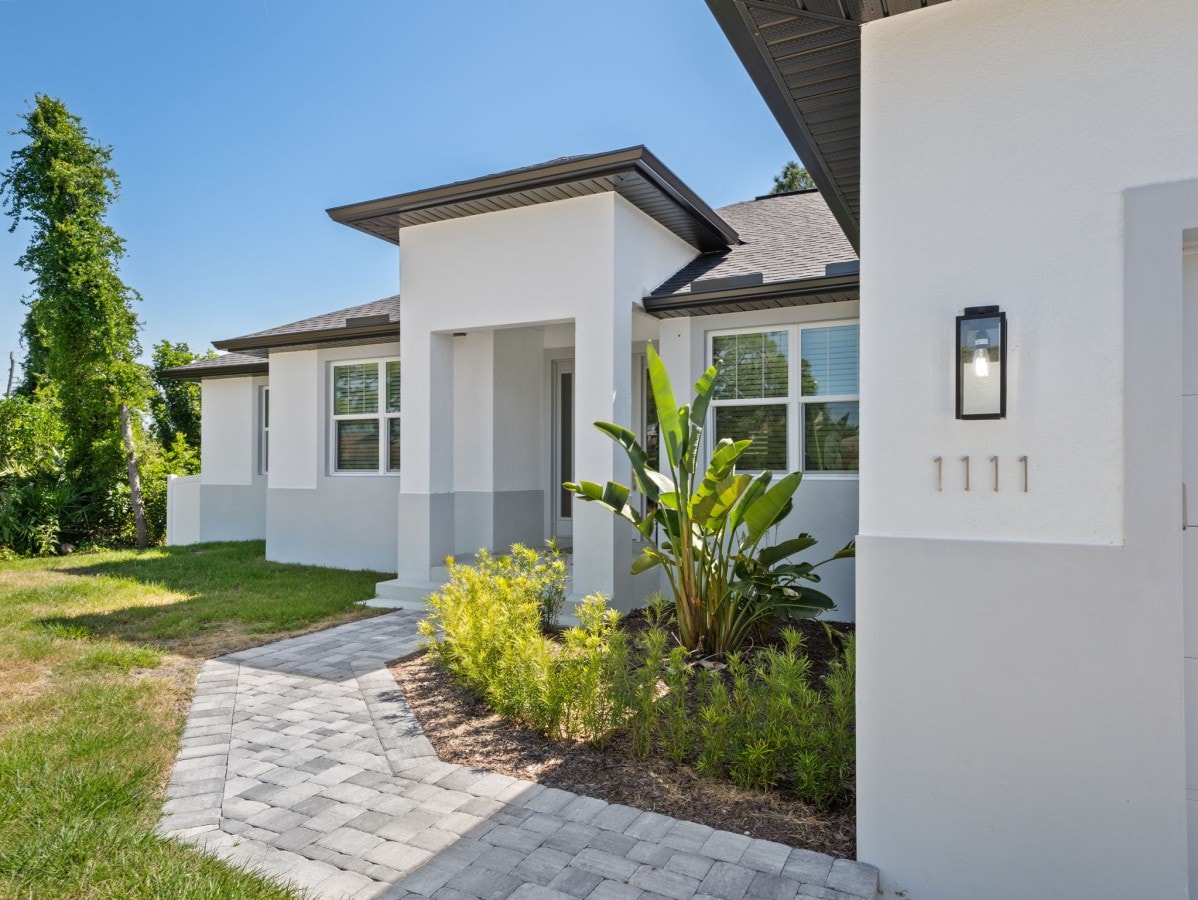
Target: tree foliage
x=81 y=333
x=175 y=404
x=793 y=177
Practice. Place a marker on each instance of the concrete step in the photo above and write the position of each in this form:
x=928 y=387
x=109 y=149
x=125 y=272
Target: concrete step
x=399 y=593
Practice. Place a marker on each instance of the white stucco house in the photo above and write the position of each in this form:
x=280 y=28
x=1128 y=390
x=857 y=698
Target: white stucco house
x=1026 y=586
x=391 y=434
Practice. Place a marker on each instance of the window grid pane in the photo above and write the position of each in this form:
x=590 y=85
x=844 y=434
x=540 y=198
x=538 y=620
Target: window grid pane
x=752 y=366
x=830 y=360
x=358 y=445
x=831 y=437
x=766 y=425
x=356 y=389
x=393 y=385
x=393 y=445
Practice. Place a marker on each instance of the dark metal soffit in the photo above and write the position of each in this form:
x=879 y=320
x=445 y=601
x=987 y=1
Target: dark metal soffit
x=634 y=173
x=799 y=292
x=186 y=373
x=325 y=336
x=804 y=56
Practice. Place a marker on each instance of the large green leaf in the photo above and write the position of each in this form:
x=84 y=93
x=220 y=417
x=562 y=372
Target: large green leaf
x=767 y=556
x=808 y=604
x=726 y=500
x=712 y=506
x=636 y=457
x=613 y=496
x=764 y=512
x=755 y=490
x=647 y=560
x=796 y=570
x=704 y=389
x=722 y=462
x=672 y=435
x=686 y=455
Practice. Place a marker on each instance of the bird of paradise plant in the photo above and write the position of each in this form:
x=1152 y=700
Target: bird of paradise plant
x=708 y=526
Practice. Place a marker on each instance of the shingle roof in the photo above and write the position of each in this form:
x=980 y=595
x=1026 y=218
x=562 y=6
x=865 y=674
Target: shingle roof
x=379 y=316
x=225 y=364
x=785 y=237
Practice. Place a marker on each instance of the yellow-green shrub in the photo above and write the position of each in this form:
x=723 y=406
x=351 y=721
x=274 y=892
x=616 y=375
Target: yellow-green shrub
x=485 y=627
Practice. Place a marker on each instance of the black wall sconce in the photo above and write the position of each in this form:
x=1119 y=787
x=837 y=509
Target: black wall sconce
x=982 y=363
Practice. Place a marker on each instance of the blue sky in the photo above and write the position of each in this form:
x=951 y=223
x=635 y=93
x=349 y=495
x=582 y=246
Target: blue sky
x=236 y=124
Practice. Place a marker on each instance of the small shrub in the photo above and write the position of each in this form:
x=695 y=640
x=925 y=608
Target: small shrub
x=486 y=628
x=638 y=689
x=673 y=722
x=759 y=723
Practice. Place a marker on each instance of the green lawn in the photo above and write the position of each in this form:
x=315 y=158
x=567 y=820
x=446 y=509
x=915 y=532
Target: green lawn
x=98 y=658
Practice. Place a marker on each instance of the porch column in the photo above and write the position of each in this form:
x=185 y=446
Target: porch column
x=603 y=392
x=426 y=517
x=473 y=451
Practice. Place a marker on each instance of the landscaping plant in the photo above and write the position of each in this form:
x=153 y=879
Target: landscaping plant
x=709 y=526
x=487 y=627
x=773 y=727
x=763 y=721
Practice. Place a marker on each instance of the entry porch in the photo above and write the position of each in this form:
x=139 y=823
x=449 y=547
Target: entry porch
x=494 y=421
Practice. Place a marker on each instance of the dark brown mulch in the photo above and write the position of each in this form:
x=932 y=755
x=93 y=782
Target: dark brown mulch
x=465 y=731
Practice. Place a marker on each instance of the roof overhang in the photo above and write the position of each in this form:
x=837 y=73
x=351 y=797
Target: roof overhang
x=804 y=56
x=192 y=372
x=799 y=292
x=347 y=334
x=634 y=173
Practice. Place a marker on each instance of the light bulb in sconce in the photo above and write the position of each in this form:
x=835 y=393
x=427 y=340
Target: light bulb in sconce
x=981 y=358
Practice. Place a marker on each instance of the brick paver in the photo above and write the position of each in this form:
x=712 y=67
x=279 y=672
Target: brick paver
x=302 y=760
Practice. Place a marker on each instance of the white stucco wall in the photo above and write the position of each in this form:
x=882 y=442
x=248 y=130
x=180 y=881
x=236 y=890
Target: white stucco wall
x=825 y=505
x=1007 y=177
x=586 y=261
x=227 y=500
x=313 y=515
x=1019 y=657
x=296 y=435
x=182 y=510
x=520 y=407
x=227 y=425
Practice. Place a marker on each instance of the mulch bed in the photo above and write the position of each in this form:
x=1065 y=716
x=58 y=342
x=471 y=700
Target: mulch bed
x=465 y=731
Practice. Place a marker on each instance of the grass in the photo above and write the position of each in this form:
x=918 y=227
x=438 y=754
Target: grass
x=98 y=662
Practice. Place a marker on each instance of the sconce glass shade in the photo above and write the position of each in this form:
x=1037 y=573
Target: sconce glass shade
x=981 y=355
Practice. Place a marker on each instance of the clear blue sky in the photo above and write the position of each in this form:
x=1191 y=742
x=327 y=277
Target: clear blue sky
x=236 y=124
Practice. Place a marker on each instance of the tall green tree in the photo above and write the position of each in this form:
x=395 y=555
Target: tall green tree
x=81 y=320
x=175 y=404
x=793 y=177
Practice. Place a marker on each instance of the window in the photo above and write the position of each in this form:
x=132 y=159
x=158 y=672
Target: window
x=366 y=416
x=801 y=413
x=264 y=431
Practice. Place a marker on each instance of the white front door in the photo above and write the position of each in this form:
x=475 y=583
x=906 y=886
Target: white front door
x=562 y=518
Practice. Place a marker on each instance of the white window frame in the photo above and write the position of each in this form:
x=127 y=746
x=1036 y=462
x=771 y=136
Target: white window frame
x=264 y=429
x=794 y=400
x=380 y=415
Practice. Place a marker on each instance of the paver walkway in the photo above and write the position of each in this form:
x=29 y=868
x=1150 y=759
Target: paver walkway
x=301 y=760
